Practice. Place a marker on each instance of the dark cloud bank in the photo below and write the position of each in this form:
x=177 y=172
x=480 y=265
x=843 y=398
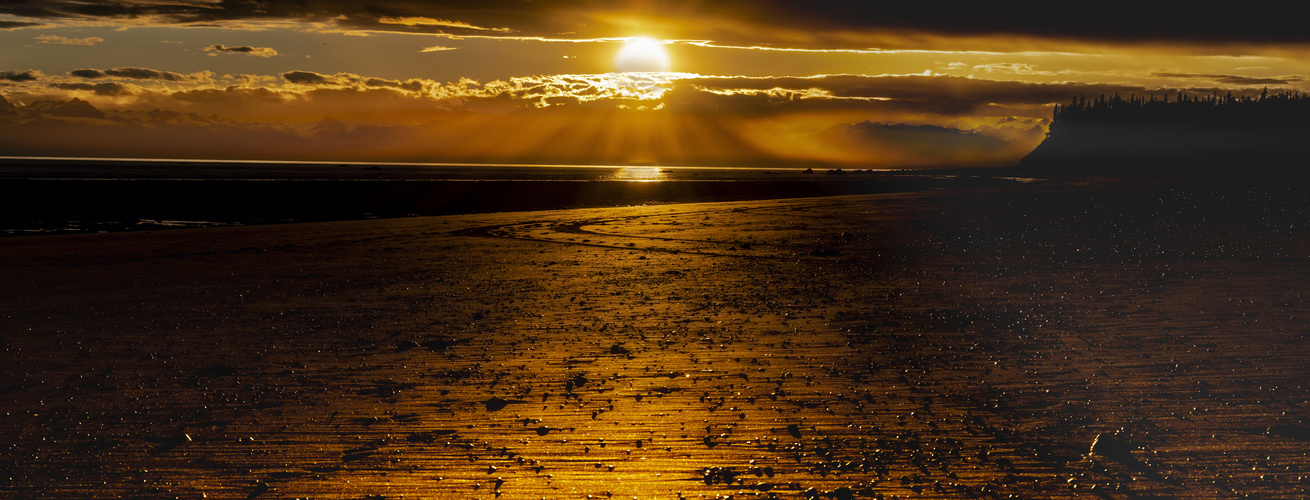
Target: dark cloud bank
x=1100 y=21
x=132 y=73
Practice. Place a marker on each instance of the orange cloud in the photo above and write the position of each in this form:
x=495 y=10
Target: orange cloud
x=243 y=49
x=428 y=21
x=63 y=40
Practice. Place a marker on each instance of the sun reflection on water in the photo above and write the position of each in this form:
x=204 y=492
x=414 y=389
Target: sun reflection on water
x=640 y=174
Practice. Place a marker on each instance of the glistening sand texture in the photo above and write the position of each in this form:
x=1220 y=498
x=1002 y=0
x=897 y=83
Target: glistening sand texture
x=940 y=345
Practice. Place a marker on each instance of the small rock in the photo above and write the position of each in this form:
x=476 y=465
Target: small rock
x=495 y=404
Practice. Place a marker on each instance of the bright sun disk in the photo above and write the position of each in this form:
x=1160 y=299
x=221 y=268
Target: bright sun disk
x=642 y=55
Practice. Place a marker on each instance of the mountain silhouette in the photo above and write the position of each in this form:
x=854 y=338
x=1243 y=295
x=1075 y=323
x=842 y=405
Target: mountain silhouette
x=76 y=108
x=7 y=109
x=327 y=129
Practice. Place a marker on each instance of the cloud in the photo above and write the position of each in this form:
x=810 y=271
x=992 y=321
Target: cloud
x=428 y=21
x=436 y=48
x=760 y=23
x=351 y=80
x=101 y=89
x=940 y=100
x=939 y=94
x=846 y=120
x=914 y=145
x=87 y=73
x=536 y=91
x=937 y=97
x=243 y=49
x=1234 y=79
x=212 y=100
x=585 y=118
x=1012 y=68
x=61 y=40
x=131 y=73
x=14 y=25
x=410 y=85
x=30 y=75
x=1086 y=20
x=306 y=78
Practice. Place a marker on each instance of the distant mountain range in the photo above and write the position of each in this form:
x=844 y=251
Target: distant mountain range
x=1113 y=135
x=76 y=128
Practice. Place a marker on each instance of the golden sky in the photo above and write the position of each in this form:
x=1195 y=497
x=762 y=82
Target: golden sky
x=730 y=82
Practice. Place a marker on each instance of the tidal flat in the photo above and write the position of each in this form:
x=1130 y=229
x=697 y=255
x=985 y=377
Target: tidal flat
x=1117 y=339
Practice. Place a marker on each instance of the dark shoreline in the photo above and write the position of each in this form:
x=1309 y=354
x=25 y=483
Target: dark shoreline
x=110 y=205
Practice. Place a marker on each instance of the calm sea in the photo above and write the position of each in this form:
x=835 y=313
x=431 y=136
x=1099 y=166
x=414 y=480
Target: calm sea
x=80 y=195
x=166 y=169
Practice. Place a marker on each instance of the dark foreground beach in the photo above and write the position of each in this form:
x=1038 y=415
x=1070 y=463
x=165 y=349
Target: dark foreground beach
x=1049 y=340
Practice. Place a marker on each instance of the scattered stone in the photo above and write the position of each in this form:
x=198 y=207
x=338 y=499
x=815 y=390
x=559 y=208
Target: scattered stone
x=544 y=430
x=577 y=381
x=714 y=475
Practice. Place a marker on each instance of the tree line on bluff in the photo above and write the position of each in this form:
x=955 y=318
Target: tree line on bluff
x=1263 y=133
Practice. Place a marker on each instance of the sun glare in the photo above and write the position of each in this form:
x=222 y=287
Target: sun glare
x=642 y=55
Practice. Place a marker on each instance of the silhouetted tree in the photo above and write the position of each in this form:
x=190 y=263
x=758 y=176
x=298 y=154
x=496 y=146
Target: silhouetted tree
x=1255 y=133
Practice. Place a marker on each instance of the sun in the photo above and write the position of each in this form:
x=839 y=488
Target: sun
x=642 y=55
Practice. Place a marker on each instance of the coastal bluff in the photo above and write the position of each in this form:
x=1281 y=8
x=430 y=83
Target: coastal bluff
x=1113 y=135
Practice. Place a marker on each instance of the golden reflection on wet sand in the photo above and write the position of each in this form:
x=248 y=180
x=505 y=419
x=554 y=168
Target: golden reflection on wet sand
x=905 y=345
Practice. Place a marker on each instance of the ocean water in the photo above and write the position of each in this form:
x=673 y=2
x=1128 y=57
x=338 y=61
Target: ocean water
x=81 y=195
x=43 y=168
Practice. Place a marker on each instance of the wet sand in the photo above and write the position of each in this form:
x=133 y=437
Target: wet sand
x=940 y=344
